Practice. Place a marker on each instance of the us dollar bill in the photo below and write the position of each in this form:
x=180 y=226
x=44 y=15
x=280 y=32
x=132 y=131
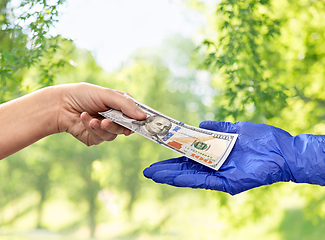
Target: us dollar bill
x=206 y=147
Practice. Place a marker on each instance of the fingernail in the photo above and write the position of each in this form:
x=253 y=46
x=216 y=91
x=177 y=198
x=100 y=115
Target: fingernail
x=126 y=132
x=106 y=125
x=95 y=126
x=86 y=116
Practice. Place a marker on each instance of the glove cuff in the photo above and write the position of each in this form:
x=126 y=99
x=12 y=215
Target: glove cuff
x=307 y=160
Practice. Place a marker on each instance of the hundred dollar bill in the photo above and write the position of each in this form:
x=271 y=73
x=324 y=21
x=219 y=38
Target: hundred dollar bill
x=209 y=148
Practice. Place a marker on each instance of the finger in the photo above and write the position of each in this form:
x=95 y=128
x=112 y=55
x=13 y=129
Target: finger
x=88 y=137
x=168 y=176
x=104 y=134
x=202 y=180
x=181 y=160
x=150 y=171
x=207 y=181
x=96 y=135
x=184 y=166
x=119 y=91
x=112 y=127
x=122 y=93
x=127 y=132
x=172 y=160
x=118 y=101
x=219 y=126
x=94 y=123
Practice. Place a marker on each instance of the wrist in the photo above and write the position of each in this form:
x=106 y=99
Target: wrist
x=308 y=164
x=47 y=109
x=65 y=112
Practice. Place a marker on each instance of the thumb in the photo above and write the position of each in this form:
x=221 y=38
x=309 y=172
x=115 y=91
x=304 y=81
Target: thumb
x=113 y=99
x=219 y=126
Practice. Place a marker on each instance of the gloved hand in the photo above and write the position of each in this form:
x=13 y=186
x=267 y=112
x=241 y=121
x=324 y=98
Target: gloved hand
x=262 y=155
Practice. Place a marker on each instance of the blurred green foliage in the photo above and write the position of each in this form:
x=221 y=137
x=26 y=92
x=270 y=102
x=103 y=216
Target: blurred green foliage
x=25 y=42
x=261 y=61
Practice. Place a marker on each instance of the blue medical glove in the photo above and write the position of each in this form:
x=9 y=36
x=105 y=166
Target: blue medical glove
x=262 y=155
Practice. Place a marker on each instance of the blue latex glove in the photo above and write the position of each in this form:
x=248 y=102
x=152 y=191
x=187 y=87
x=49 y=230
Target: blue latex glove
x=262 y=155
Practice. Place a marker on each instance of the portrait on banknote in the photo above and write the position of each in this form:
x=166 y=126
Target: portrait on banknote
x=154 y=126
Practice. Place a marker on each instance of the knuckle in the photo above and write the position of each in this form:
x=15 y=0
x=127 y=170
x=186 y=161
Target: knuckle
x=109 y=91
x=88 y=142
x=128 y=100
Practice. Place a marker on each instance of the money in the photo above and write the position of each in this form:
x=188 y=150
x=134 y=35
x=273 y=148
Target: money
x=207 y=147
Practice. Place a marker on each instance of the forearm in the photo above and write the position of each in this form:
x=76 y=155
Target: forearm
x=309 y=155
x=26 y=120
x=60 y=109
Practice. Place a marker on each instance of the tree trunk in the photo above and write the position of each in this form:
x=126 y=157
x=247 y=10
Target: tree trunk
x=92 y=220
x=40 y=210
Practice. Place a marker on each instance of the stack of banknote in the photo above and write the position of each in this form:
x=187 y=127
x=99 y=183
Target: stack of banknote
x=209 y=148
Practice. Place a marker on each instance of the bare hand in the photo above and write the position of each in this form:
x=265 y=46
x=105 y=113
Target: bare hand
x=78 y=112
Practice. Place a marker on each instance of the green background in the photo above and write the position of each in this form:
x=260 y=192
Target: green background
x=261 y=61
